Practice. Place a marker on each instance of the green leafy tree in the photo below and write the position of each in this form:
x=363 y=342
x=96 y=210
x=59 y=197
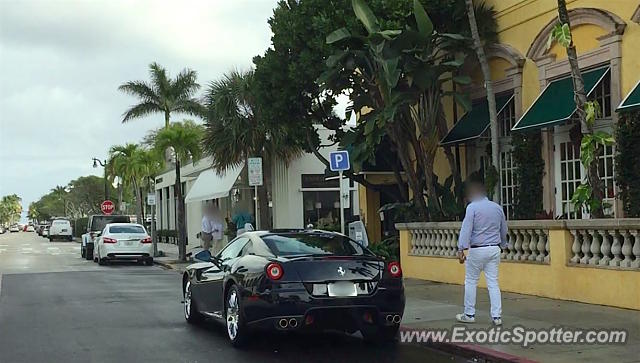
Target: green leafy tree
x=398 y=75
x=163 y=94
x=61 y=193
x=184 y=140
x=125 y=161
x=10 y=209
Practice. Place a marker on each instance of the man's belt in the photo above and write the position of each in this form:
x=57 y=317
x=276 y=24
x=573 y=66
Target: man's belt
x=494 y=245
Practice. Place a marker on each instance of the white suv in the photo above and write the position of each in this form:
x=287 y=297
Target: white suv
x=60 y=229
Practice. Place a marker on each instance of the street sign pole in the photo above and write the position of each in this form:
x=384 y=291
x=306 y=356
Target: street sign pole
x=254 y=170
x=341 y=203
x=339 y=161
x=255 y=194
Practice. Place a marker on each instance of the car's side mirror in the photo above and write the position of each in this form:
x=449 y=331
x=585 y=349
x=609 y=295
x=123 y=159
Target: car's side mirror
x=203 y=255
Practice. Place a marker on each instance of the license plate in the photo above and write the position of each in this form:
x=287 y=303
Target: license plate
x=342 y=289
x=128 y=243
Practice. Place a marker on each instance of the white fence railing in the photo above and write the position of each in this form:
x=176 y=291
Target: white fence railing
x=595 y=243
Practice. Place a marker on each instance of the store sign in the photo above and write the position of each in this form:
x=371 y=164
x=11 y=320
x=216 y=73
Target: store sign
x=254 y=167
x=151 y=199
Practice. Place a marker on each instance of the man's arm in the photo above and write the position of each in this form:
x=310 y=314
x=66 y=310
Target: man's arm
x=503 y=231
x=464 y=240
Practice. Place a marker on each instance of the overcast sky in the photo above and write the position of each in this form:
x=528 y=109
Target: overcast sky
x=61 y=62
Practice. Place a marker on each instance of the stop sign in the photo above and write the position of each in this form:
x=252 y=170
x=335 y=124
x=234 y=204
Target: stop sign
x=107 y=207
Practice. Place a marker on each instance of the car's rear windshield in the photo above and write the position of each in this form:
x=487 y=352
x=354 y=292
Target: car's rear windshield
x=126 y=229
x=99 y=222
x=61 y=222
x=291 y=244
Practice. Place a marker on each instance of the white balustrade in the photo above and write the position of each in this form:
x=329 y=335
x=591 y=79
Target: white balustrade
x=605 y=243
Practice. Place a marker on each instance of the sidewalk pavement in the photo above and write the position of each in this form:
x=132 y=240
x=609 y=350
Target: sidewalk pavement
x=432 y=305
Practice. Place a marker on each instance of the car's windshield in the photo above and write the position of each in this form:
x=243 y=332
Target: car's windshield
x=99 y=222
x=126 y=229
x=60 y=223
x=291 y=244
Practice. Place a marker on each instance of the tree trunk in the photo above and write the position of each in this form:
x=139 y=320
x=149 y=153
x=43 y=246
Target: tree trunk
x=136 y=190
x=182 y=235
x=580 y=98
x=166 y=119
x=491 y=98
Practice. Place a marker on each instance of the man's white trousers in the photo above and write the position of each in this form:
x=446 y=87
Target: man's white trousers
x=480 y=259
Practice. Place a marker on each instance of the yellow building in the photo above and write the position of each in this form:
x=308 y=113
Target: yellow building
x=571 y=259
x=607 y=38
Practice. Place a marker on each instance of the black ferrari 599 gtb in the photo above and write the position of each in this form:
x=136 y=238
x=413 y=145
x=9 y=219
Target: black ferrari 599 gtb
x=295 y=280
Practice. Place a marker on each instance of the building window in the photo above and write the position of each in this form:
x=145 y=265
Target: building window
x=507 y=118
x=321 y=202
x=570 y=178
x=602 y=95
x=507 y=183
x=606 y=171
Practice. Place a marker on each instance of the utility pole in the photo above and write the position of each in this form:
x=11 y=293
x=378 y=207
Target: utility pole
x=106 y=179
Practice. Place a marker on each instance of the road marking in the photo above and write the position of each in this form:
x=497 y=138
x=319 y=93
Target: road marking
x=4 y=245
x=53 y=248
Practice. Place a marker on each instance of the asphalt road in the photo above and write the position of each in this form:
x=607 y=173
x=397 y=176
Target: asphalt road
x=57 y=307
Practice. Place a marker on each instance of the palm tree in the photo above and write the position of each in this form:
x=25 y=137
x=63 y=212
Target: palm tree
x=580 y=98
x=235 y=130
x=184 y=140
x=163 y=95
x=61 y=193
x=125 y=163
x=491 y=97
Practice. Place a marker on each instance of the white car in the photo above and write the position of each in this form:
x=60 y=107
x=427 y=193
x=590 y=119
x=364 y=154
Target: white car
x=123 y=241
x=45 y=231
x=60 y=229
x=14 y=228
x=30 y=228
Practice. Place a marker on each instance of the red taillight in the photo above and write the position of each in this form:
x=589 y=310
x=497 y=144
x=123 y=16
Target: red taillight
x=274 y=271
x=109 y=240
x=394 y=269
x=146 y=240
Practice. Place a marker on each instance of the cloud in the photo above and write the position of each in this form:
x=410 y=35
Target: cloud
x=62 y=61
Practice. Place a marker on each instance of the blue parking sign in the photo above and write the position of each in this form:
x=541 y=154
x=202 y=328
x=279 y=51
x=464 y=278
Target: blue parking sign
x=339 y=160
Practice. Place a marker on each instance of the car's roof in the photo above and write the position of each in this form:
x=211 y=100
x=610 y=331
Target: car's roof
x=290 y=231
x=123 y=224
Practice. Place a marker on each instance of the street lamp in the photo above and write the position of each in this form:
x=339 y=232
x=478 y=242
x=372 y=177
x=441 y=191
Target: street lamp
x=106 y=180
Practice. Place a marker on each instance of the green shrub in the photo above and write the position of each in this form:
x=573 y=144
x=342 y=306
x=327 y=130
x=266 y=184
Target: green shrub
x=80 y=226
x=527 y=156
x=388 y=248
x=627 y=171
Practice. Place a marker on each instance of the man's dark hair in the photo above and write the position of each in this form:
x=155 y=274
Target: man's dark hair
x=475 y=184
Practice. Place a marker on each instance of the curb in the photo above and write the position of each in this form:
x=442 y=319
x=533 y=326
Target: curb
x=479 y=353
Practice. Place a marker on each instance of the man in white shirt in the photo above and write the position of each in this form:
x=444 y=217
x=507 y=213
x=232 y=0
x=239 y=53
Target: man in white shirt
x=212 y=229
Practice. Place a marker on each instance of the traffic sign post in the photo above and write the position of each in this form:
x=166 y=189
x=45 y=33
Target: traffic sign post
x=107 y=207
x=254 y=169
x=339 y=161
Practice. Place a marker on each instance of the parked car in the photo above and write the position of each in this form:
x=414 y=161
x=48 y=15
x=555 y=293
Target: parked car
x=45 y=231
x=30 y=228
x=2 y=230
x=60 y=229
x=95 y=225
x=295 y=280
x=14 y=228
x=123 y=241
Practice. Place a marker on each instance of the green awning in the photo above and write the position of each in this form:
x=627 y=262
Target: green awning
x=555 y=104
x=632 y=100
x=475 y=122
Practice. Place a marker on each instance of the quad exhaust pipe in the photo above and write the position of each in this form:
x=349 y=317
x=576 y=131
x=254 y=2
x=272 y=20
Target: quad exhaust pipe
x=285 y=323
x=393 y=319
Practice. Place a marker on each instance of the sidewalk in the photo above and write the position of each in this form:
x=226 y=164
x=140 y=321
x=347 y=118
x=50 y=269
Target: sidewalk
x=432 y=305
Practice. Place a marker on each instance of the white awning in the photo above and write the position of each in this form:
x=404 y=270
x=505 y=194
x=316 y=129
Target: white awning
x=211 y=185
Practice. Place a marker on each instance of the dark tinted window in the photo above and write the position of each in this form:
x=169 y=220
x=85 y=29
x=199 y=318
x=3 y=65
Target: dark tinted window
x=99 y=222
x=247 y=249
x=233 y=249
x=126 y=229
x=289 y=244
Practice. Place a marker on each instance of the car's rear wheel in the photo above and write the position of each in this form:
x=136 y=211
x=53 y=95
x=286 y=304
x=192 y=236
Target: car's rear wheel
x=236 y=328
x=380 y=334
x=149 y=261
x=191 y=313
